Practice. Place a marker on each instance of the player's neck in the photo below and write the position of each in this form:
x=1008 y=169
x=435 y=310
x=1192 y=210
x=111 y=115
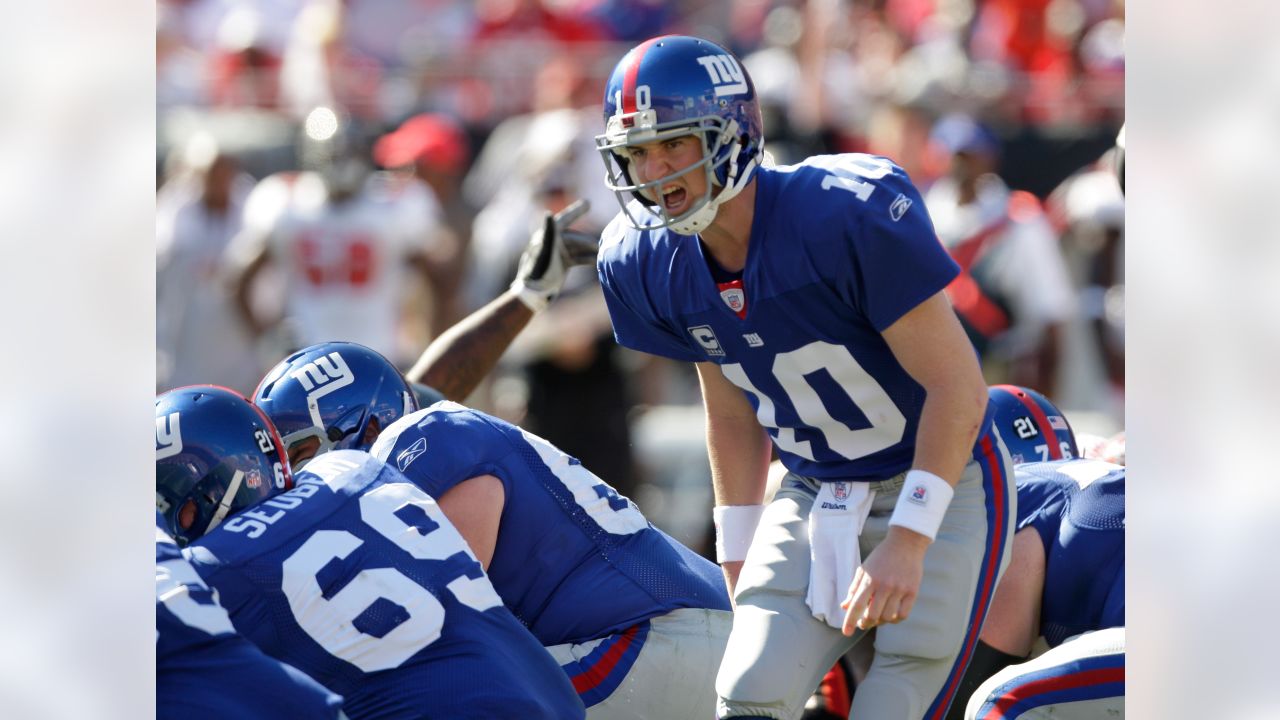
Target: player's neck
x=728 y=238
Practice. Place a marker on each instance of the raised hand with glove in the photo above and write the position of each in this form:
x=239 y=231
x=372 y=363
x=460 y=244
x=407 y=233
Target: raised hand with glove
x=456 y=361
x=551 y=251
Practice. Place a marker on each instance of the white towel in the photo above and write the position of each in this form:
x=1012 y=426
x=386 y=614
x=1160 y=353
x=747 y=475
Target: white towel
x=835 y=522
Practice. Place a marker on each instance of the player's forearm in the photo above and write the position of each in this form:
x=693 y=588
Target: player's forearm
x=949 y=424
x=738 y=450
x=933 y=348
x=737 y=446
x=456 y=361
x=241 y=283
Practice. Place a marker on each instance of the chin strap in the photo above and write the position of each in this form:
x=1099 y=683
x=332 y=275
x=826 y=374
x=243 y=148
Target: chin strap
x=737 y=179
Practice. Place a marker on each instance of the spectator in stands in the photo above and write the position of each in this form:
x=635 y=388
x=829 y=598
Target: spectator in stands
x=1013 y=294
x=199 y=339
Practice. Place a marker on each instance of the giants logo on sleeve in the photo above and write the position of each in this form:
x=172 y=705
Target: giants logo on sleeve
x=168 y=436
x=725 y=74
x=324 y=375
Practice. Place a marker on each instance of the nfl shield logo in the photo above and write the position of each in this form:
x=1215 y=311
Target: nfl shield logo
x=735 y=298
x=840 y=490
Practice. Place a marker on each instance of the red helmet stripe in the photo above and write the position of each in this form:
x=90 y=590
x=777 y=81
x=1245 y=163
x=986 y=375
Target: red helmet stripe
x=1037 y=414
x=633 y=71
x=281 y=452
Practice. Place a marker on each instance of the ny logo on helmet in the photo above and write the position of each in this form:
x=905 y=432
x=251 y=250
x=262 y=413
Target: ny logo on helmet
x=168 y=436
x=324 y=374
x=725 y=74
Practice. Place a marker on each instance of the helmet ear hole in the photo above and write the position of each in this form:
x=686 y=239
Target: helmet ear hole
x=303 y=450
x=214 y=450
x=187 y=515
x=371 y=431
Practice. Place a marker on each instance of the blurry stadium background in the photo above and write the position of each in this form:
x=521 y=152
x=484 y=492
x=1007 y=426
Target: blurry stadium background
x=502 y=99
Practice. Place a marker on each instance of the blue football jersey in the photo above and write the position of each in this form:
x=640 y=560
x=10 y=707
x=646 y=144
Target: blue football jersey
x=358 y=579
x=205 y=670
x=841 y=247
x=1077 y=508
x=574 y=560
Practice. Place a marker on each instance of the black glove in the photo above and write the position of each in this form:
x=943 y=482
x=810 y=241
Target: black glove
x=551 y=251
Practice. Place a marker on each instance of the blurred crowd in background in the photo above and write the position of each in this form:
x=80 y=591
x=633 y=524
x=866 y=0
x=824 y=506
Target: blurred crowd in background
x=474 y=118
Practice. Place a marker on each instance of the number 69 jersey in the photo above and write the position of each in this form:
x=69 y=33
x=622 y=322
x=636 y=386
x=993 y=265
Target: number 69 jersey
x=841 y=247
x=574 y=560
x=358 y=579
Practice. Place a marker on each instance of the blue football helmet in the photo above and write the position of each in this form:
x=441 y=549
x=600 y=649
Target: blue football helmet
x=333 y=392
x=216 y=454
x=672 y=86
x=1032 y=428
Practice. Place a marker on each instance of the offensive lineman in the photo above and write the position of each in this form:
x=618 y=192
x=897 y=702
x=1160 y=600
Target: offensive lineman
x=638 y=621
x=351 y=574
x=810 y=297
x=1064 y=583
x=205 y=670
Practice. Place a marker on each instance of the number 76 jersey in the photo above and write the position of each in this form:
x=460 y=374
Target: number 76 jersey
x=357 y=578
x=841 y=247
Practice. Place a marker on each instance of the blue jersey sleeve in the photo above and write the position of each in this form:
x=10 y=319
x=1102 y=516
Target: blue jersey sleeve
x=1077 y=507
x=1041 y=504
x=231 y=678
x=895 y=259
x=638 y=293
x=424 y=447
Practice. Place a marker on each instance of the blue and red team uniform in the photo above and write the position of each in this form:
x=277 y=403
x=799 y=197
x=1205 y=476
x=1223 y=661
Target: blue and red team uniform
x=1077 y=509
x=357 y=578
x=205 y=670
x=574 y=560
x=841 y=247
x=816 y=270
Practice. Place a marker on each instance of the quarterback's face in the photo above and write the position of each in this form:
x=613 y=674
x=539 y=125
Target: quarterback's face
x=663 y=158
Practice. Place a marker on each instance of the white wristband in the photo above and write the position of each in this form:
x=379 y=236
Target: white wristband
x=922 y=503
x=735 y=526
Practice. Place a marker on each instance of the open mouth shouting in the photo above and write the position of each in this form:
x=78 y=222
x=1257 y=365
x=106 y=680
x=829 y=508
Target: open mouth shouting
x=674 y=199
